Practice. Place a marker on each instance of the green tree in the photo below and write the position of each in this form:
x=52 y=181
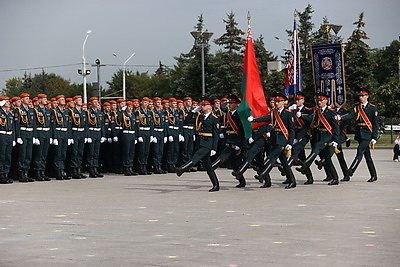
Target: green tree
x=228 y=64
x=386 y=62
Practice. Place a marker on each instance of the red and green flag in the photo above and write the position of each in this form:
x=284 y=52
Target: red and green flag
x=253 y=98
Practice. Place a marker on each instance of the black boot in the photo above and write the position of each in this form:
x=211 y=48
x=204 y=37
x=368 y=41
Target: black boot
x=29 y=178
x=81 y=174
x=184 y=168
x=353 y=166
x=333 y=174
x=92 y=173
x=8 y=178
x=133 y=173
x=127 y=171
x=242 y=181
x=142 y=170
x=64 y=175
x=291 y=178
x=171 y=168
x=21 y=177
x=216 y=164
x=319 y=163
x=239 y=172
x=3 y=178
x=98 y=174
x=37 y=176
x=328 y=174
x=307 y=163
x=75 y=175
x=372 y=172
x=214 y=181
x=157 y=170
x=264 y=176
x=58 y=174
x=44 y=176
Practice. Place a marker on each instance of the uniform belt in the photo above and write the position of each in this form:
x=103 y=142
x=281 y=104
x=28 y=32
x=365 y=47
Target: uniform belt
x=118 y=128
x=95 y=129
x=231 y=132
x=44 y=129
x=205 y=134
x=361 y=124
x=6 y=132
x=144 y=128
x=28 y=129
x=188 y=127
x=158 y=129
x=173 y=127
x=277 y=130
x=78 y=129
x=299 y=127
x=61 y=129
x=128 y=132
x=322 y=129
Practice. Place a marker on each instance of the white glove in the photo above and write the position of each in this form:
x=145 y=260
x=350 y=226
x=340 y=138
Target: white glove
x=373 y=141
x=213 y=152
x=151 y=138
x=140 y=139
x=115 y=139
x=155 y=141
x=55 y=142
x=295 y=141
x=338 y=117
x=85 y=140
x=171 y=138
x=268 y=134
x=181 y=138
x=250 y=118
x=334 y=144
x=70 y=141
x=298 y=114
x=89 y=140
x=135 y=141
x=221 y=135
x=34 y=140
x=194 y=137
x=251 y=140
x=109 y=140
x=103 y=139
x=14 y=143
x=237 y=148
x=293 y=107
x=288 y=147
x=51 y=141
x=197 y=109
x=19 y=141
x=165 y=139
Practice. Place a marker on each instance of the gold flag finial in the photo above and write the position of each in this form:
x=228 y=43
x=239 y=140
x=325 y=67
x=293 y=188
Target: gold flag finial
x=248 y=17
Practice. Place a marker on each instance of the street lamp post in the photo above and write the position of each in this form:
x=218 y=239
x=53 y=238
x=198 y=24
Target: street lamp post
x=123 y=77
x=84 y=73
x=201 y=40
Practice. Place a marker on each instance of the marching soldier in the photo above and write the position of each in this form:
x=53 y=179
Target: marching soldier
x=43 y=134
x=159 y=137
x=282 y=136
x=207 y=131
x=128 y=136
x=366 y=132
x=95 y=118
x=325 y=132
x=7 y=139
x=25 y=136
x=144 y=135
x=61 y=134
x=234 y=139
x=79 y=133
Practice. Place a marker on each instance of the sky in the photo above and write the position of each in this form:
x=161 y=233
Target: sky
x=42 y=34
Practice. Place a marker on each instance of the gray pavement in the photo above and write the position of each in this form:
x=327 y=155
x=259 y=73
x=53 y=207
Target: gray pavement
x=163 y=220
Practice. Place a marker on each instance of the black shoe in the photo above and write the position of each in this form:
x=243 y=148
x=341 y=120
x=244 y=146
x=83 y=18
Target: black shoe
x=345 y=179
x=300 y=169
x=37 y=176
x=240 y=185
x=258 y=177
x=291 y=185
x=92 y=173
x=372 y=179
x=44 y=176
x=327 y=179
x=286 y=182
x=265 y=185
x=309 y=181
x=214 y=189
x=75 y=174
x=333 y=182
x=98 y=174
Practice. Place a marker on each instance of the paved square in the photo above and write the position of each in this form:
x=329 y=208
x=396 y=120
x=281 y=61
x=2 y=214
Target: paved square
x=163 y=220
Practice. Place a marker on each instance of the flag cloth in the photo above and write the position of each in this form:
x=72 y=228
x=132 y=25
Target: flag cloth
x=293 y=81
x=253 y=98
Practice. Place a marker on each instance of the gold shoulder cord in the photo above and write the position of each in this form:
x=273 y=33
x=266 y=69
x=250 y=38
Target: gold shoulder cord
x=184 y=113
x=156 y=121
x=76 y=121
x=91 y=122
x=198 y=124
x=116 y=119
x=126 y=123
x=59 y=122
x=3 y=122
x=225 y=120
x=171 y=119
x=40 y=119
x=24 y=119
x=358 y=113
x=142 y=118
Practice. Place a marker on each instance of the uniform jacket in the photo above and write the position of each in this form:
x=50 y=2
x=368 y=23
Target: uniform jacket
x=207 y=130
x=362 y=131
x=24 y=122
x=95 y=120
x=319 y=131
x=60 y=121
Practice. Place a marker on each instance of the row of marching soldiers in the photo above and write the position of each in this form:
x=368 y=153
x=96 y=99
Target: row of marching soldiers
x=279 y=140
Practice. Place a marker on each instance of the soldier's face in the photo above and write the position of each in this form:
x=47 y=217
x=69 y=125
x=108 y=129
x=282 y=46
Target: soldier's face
x=61 y=101
x=180 y=105
x=145 y=104
x=95 y=104
x=25 y=100
x=78 y=102
x=299 y=102
x=136 y=104
x=173 y=105
x=188 y=103
x=129 y=108
x=113 y=107
x=217 y=105
x=43 y=101
x=322 y=102
x=157 y=104
x=279 y=103
x=206 y=108
x=7 y=105
x=363 y=98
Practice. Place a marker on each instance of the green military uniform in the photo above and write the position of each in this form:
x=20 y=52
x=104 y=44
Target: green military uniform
x=365 y=131
x=117 y=145
x=159 y=133
x=79 y=131
x=96 y=136
x=7 y=139
x=207 y=129
x=145 y=118
x=173 y=132
x=128 y=136
x=24 y=118
x=61 y=131
x=188 y=133
x=40 y=151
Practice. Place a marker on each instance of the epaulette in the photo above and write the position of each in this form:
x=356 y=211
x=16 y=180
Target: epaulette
x=332 y=109
x=307 y=108
x=215 y=116
x=372 y=105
